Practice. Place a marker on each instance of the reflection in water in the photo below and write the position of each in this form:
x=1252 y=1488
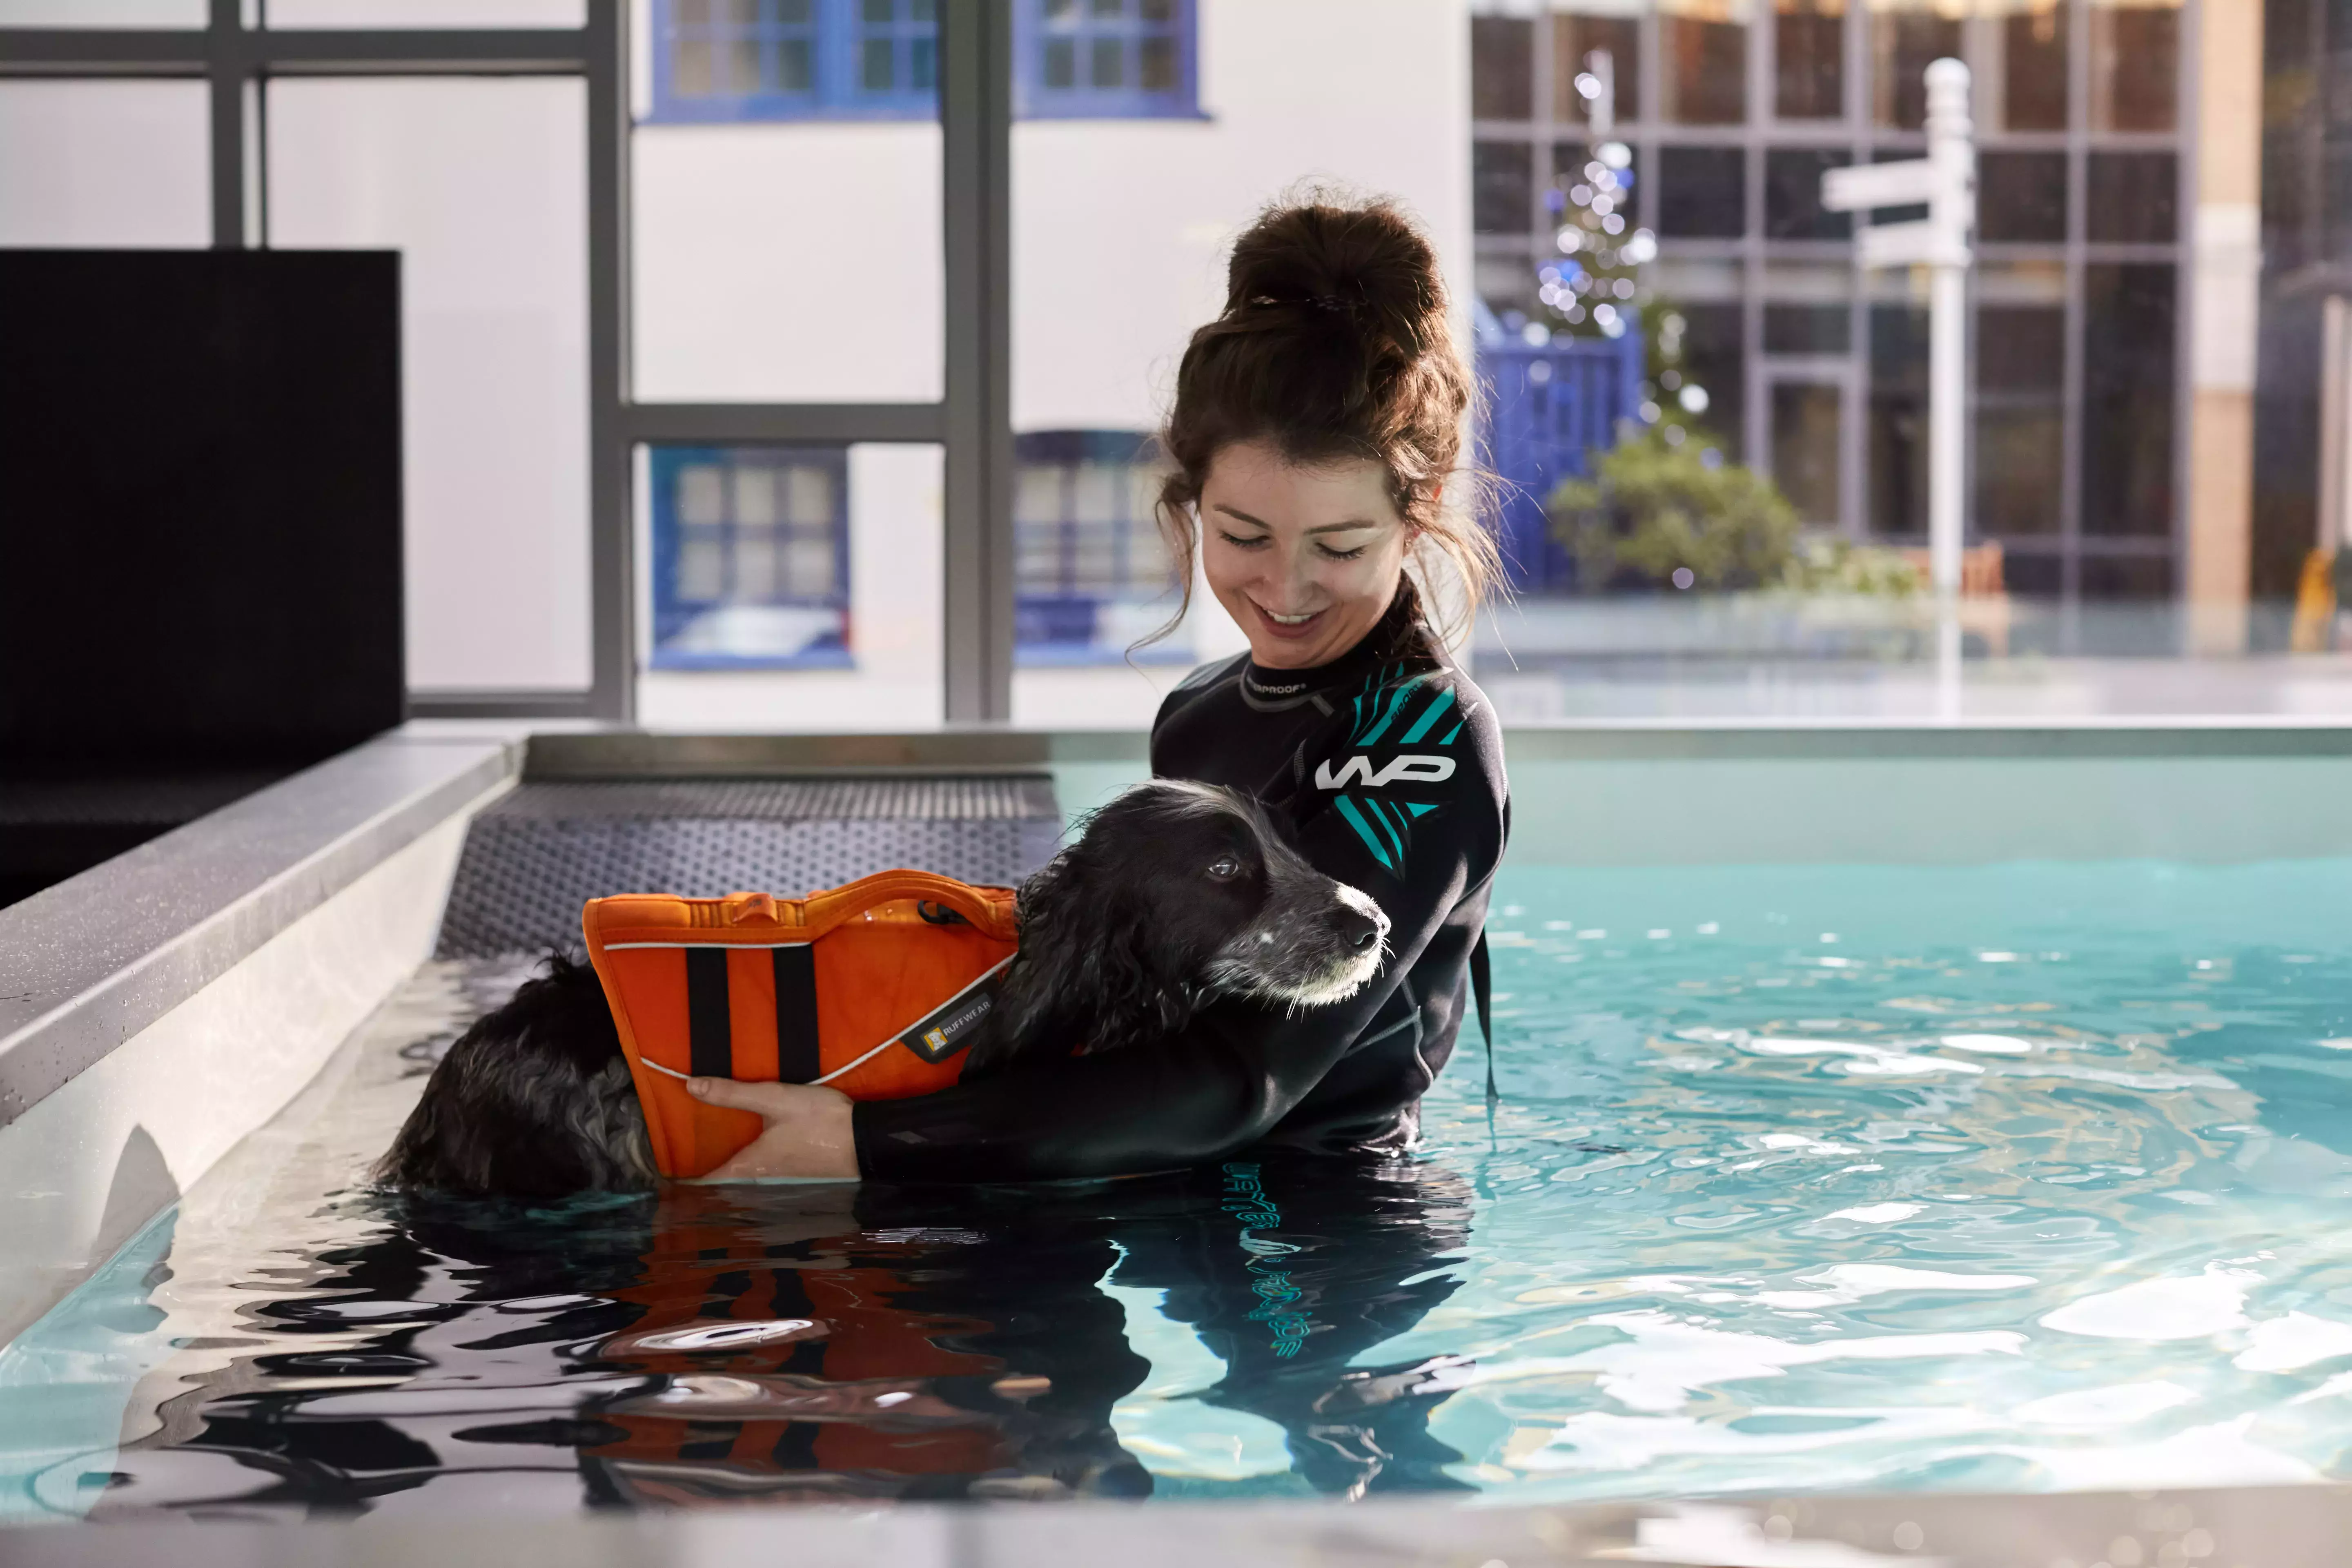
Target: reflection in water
x=719 y=1344
x=1816 y=1178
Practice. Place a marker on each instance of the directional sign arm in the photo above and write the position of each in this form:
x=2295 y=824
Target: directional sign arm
x=1908 y=184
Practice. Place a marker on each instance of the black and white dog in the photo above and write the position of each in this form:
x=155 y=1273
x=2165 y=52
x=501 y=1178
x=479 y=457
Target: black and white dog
x=1176 y=894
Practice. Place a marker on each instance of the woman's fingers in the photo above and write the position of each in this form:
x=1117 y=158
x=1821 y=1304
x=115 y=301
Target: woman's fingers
x=769 y=1100
x=809 y=1132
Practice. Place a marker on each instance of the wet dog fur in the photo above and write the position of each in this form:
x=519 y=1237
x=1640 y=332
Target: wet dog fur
x=1175 y=895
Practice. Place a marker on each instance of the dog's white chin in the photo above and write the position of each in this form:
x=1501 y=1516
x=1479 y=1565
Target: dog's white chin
x=1343 y=982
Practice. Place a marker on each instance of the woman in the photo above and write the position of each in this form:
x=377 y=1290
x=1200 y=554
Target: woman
x=1316 y=423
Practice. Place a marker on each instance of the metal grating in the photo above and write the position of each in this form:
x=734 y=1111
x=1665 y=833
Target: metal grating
x=532 y=859
x=978 y=799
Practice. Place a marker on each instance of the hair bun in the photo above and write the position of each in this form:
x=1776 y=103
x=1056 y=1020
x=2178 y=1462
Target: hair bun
x=1362 y=262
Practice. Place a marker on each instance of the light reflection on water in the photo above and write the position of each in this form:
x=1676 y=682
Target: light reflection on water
x=1802 y=1178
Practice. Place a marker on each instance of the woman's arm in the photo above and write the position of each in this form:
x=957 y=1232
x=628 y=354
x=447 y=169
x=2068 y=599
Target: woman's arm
x=1226 y=1081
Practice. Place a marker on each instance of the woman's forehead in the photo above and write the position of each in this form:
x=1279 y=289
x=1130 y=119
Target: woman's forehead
x=1249 y=481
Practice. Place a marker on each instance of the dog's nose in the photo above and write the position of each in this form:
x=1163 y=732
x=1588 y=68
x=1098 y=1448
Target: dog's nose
x=1357 y=929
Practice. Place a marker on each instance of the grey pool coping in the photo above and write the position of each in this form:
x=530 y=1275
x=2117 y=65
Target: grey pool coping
x=2250 y=1527
x=87 y=965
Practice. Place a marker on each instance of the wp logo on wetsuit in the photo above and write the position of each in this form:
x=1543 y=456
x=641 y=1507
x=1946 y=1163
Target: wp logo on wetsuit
x=1400 y=770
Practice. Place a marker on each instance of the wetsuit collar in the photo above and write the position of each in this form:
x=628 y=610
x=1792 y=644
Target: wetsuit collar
x=1395 y=636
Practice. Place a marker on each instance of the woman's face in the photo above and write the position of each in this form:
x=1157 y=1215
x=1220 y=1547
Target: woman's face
x=1305 y=559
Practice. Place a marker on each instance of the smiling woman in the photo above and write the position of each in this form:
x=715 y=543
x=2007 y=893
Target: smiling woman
x=1317 y=429
x=1317 y=425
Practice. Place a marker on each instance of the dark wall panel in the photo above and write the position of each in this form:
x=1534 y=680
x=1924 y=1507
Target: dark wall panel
x=199 y=556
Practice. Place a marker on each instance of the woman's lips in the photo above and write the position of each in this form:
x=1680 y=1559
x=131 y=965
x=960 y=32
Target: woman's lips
x=1288 y=630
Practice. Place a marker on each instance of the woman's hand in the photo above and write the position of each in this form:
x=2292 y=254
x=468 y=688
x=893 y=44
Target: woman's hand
x=808 y=1132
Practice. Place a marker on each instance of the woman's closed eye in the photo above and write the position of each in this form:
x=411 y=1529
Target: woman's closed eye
x=1244 y=541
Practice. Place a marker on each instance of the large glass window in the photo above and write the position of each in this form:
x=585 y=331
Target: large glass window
x=785 y=256
x=2135 y=65
x=1703 y=192
x=1502 y=87
x=481 y=183
x=1793 y=194
x=1576 y=37
x=428 y=13
x=750 y=557
x=1898 y=419
x=2128 y=392
x=2022 y=197
x=2133 y=198
x=1809 y=59
x=1091 y=569
x=1105 y=59
x=2021 y=419
x=1905 y=36
x=104 y=163
x=790 y=587
x=780 y=60
x=1706 y=67
x=2031 y=90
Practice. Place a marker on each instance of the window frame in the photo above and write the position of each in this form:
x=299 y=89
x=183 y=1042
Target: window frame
x=1065 y=451
x=1033 y=31
x=838 y=34
x=666 y=465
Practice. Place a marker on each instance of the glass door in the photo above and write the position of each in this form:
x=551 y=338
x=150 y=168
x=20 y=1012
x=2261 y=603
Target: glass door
x=1806 y=416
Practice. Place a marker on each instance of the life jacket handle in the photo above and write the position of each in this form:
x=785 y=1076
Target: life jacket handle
x=821 y=912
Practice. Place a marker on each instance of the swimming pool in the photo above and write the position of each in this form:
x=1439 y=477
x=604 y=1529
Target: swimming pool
x=1805 y=1177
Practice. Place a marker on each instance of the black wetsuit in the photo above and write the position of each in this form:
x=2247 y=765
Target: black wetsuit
x=1388 y=764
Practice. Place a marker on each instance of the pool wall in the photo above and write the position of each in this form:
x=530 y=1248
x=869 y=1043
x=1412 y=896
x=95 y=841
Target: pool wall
x=159 y=1007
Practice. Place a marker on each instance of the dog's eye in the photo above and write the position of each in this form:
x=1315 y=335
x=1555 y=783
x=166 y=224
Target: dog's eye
x=1224 y=869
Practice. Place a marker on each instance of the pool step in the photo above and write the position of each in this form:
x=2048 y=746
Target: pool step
x=533 y=858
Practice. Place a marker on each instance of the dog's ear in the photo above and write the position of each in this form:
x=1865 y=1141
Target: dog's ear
x=533 y=1100
x=1083 y=979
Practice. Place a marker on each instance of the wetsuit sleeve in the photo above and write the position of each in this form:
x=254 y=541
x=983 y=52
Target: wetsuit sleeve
x=1416 y=841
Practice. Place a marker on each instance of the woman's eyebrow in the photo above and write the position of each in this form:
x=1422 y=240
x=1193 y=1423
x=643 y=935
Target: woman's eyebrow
x=1239 y=515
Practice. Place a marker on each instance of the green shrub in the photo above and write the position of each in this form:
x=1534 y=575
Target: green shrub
x=1653 y=509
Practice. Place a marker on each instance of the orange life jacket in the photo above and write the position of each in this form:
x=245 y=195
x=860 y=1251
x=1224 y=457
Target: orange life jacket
x=874 y=988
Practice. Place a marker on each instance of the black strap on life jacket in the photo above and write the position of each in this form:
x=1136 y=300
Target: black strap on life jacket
x=710 y=1033
x=797 y=1060
x=710 y=1026
x=1482 y=986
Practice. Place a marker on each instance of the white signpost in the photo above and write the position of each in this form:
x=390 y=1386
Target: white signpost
x=1945 y=180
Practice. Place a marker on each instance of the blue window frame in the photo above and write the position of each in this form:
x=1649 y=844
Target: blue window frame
x=723 y=60
x=1107 y=60
x=719 y=60
x=1090 y=572
x=751 y=549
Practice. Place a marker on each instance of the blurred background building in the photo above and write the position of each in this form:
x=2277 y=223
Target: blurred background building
x=2158 y=439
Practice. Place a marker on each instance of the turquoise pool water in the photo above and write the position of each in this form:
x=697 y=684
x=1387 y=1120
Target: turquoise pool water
x=1803 y=1178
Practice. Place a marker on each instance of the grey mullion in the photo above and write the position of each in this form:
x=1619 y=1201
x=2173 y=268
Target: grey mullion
x=104 y=52
x=225 y=70
x=529 y=703
x=2071 y=465
x=1854 y=437
x=454 y=50
x=612 y=522
x=194 y=51
x=693 y=424
x=2184 y=88
x=976 y=132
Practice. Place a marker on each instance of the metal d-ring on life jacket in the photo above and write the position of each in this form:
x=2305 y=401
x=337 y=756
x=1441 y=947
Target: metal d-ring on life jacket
x=874 y=988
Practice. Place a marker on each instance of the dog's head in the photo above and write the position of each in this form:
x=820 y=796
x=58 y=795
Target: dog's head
x=533 y=1100
x=1175 y=893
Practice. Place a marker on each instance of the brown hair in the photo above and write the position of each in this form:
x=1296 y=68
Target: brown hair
x=1334 y=344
